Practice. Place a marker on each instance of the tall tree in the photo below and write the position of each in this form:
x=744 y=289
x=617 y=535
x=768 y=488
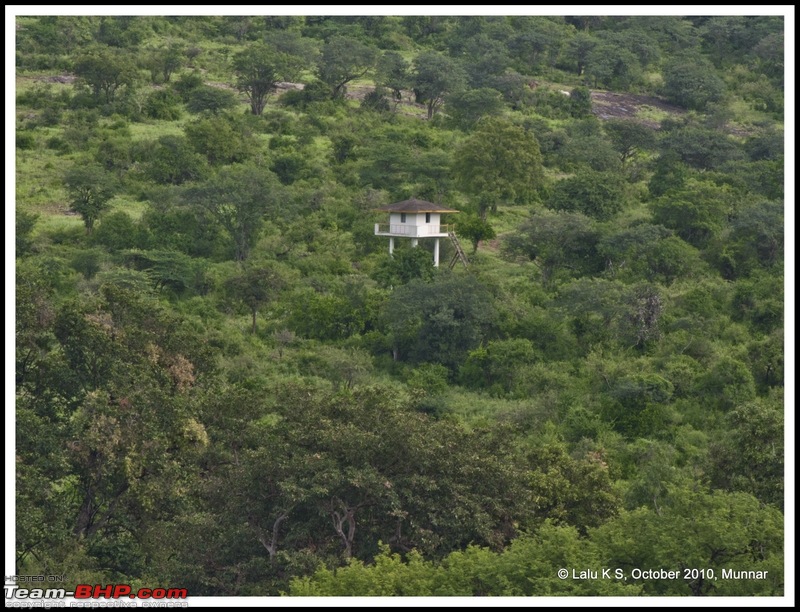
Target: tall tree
x=439 y=322
x=261 y=66
x=392 y=73
x=434 y=76
x=629 y=137
x=500 y=162
x=255 y=286
x=600 y=195
x=238 y=198
x=163 y=62
x=557 y=242
x=690 y=81
x=90 y=188
x=344 y=60
x=475 y=229
x=106 y=70
x=258 y=71
x=612 y=66
x=694 y=529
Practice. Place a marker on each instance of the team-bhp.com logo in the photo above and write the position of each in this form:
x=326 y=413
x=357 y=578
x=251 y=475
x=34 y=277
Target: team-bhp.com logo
x=93 y=591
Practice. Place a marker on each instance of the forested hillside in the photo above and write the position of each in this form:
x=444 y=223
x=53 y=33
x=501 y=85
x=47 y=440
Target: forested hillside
x=226 y=383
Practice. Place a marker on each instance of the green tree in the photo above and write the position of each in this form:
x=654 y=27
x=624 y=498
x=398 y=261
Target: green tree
x=344 y=60
x=770 y=55
x=766 y=145
x=728 y=384
x=697 y=212
x=163 y=62
x=438 y=322
x=579 y=49
x=756 y=238
x=635 y=405
x=122 y=381
x=758 y=300
x=255 y=287
x=106 y=71
x=331 y=315
x=466 y=108
x=613 y=66
x=495 y=367
x=116 y=232
x=475 y=229
x=730 y=39
x=569 y=490
x=392 y=72
x=163 y=104
x=499 y=162
x=639 y=41
x=766 y=361
x=749 y=455
x=322 y=460
x=124 y=30
x=580 y=99
x=670 y=173
x=405 y=265
x=238 y=198
x=629 y=138
x=691 y=82
x=89 y=188
x=484 y=59
x=557 y=242
x=174 y=161
x=648 y=251
x=24 y=224
x=433 y=77
x=259 y=68
x=528 y=567
x=212 y=99
x=699 y=147
x=599 y=195
x=221 y=139
x=599 y=311
x=697 y=529
x=539 y=43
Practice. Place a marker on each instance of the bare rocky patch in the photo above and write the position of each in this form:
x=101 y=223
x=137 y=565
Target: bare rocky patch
x=609 y=105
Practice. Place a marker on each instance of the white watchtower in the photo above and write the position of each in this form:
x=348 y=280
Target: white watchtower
x=415 y=219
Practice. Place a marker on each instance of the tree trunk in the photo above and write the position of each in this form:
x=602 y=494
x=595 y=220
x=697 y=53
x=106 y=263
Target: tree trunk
x=346 y=519
x=272 y=545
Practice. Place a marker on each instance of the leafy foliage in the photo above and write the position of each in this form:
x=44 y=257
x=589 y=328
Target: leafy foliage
x=499 y=162
x=227 y=384
x=90 y=188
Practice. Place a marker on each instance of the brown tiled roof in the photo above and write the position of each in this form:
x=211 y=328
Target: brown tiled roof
x=415 y=206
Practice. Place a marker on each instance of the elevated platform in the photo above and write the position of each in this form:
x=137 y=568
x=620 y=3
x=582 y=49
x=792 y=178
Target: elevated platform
x=404 y=230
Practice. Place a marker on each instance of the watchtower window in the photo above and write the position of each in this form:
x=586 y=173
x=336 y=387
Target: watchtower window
x=427 y=217
x=402 y=217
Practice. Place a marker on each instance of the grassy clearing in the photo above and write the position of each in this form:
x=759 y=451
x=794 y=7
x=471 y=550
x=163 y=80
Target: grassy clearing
x=39 y=185
x=153 y=130
x=125 y=203
x=652 y=114
x=508 y=218
x=56 y=223
x=477 y=409
x=745 y=117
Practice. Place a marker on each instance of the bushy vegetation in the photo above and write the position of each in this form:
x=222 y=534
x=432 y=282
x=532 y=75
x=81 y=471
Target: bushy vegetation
x=224 y=382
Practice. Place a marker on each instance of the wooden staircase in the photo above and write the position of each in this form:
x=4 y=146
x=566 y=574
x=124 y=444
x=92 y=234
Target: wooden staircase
x=459 y=254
